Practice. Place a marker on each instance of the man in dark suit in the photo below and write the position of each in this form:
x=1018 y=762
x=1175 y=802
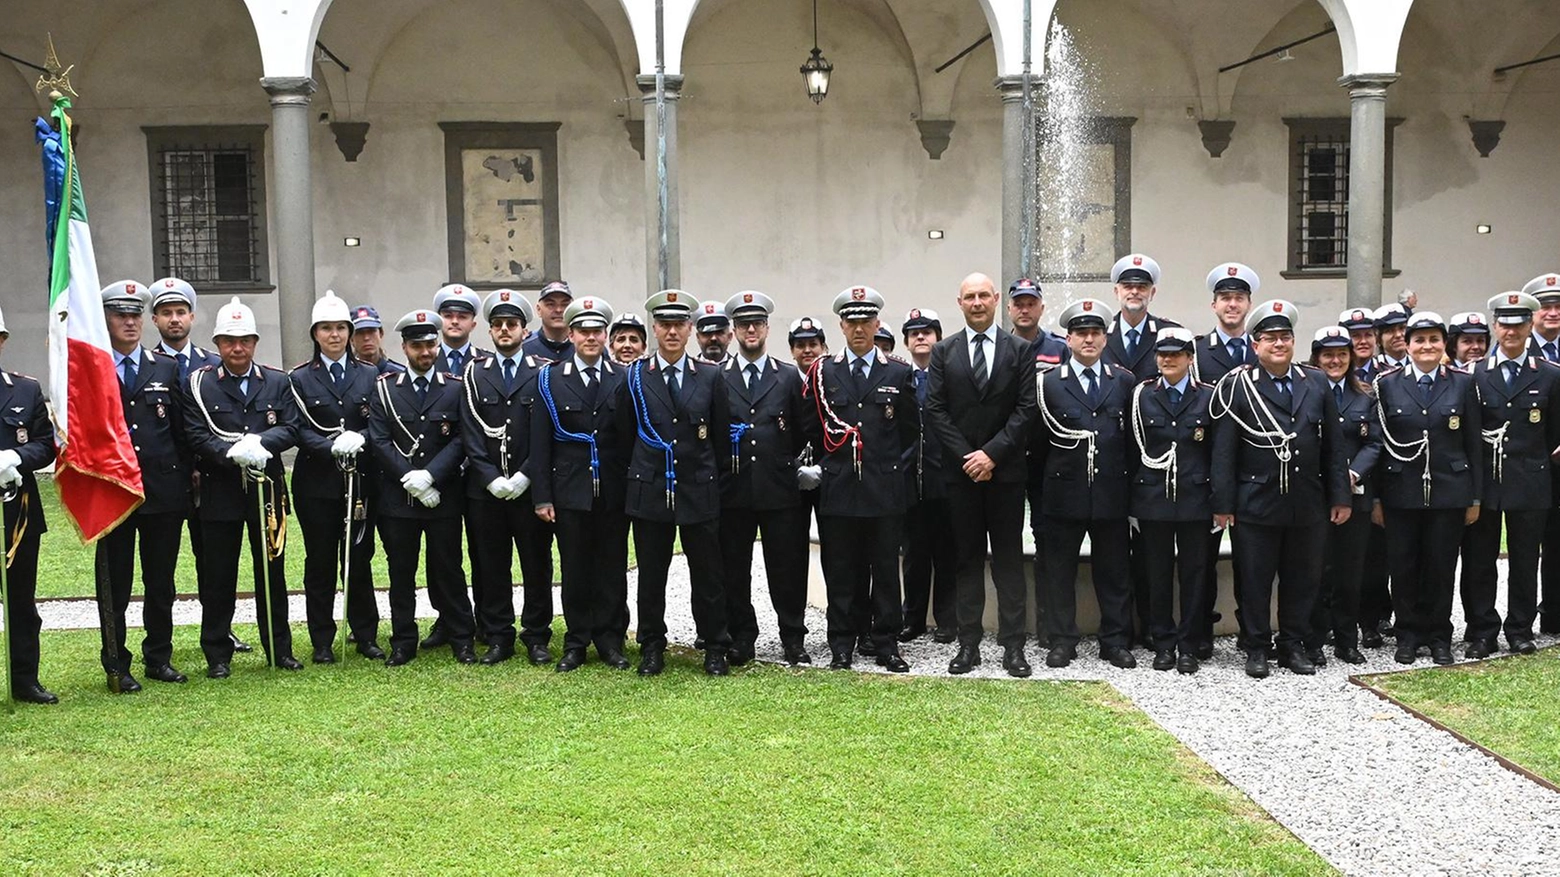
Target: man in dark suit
x=551 y=340
x=26 y=445
x=760 y=495
x=332 y=391
x=1083 y=403
x=1520 y=396
x=1279 y=476
x=673 y=423
x=980 y=404
x=930 y=562
x=148 y=387
x=238 y=418
x=415 y=436
x=1545 y=342
x=578 y=484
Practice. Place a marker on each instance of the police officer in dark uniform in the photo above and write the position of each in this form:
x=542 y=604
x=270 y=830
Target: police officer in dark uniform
x=1338 y=603
x=368 y=336
x=930 y=560
x=1129 y=340
x=26 y=445
x=1467 y=339
x=1546 y=343
x=1279 y=476
x=148 y=387
x=1431 y=484
x=1083 y=407
x=578 y=478
x=866 y=429
x=1391 y=338
x=626 y=338
x=500 y=400
x=332 y=392
x=1520 y=396
x=552 y=340
x=1172 y=465
x=712 y=326
x=238 y=417
x=673 y=424
x=1048 y=350
x=415 y=435
x=760 y=495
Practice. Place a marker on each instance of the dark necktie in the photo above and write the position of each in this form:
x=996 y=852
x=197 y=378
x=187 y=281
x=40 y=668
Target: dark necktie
x=338 y=373
x=671 y=383
x=1511 y=366
x=184 y=365
x=752 y=377
x=1237 y=349
x=592 y=386
x=456 y=360
x=421 y=385
x=1551 y=352
x=509 y=375
x=920 y=386
x=1175 y=396
x=1363 y=374
x=127 y=372
x=1425 y=384
x=1283 y=386
x=858 y=370
x=1338 y=395
x=979 y=361
x=1132 y=341
x=1090 y=387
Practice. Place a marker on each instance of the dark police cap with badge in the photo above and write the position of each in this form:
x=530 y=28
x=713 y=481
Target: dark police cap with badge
x=803 y=328
x=366 y=317
x=921 y=318
x=1024 y=286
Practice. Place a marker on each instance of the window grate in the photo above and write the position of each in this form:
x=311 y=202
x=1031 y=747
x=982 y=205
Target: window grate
x=1322 y=208
x=210 y=213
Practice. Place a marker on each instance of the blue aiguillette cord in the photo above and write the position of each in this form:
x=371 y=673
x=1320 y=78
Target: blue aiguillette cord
x=647 y=433
x=563 y=435
x=737 y=431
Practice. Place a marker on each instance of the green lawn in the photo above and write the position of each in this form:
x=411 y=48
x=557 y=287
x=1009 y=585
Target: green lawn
x=1507 y=705
x=439 y=768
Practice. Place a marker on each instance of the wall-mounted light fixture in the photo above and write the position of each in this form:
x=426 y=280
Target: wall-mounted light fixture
x=1482 y=228
x=352 y=242
x=935 y=234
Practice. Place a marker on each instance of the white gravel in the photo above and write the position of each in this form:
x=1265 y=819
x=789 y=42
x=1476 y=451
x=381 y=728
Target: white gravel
x=1369 y=787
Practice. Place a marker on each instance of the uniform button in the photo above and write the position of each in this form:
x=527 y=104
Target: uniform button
x=138 y=449
x=134 y=427
x=674 y=441
x=132 y=403
x=507 y=420
x=858 y=404
x=1422 y=411
x=674 y=420
x=424 y=417
x=1172 y=423
x=752 y=410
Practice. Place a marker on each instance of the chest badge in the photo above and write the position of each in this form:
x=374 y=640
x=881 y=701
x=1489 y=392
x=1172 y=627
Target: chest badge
x=1535 y=415
x=444 y=427
x=162 y=411
x=704 y=432
x=270 y=417
x=1454 y=422
x=780 y=423
x=1197 y=434
x=888 y=411
x=21 y=435
x=1364 y=430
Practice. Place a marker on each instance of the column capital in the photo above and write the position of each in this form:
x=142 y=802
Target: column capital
x=647 y=87
x=288 y=90
x=1368 y=84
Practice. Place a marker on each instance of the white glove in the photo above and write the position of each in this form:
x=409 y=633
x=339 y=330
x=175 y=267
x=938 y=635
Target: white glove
x=248 y=452
x=809 y=477
x=502 y=489
x=429 y=497
x=417 y=481
x=519 y=483
x=9 y=460
x=348 y=444
x=10 y=477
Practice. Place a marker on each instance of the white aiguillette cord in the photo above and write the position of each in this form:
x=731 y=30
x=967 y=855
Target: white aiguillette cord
x=1061 y=432
x=1166 y=462
x=1273 y=439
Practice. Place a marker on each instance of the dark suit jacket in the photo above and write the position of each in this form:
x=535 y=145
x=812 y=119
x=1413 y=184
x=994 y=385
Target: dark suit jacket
x=1360 y=432
x=560 y=469
x=698 y=428
x=1524 y=481
x=1066 y=488
x=884 y=409
x=995 y=418
x=761 y=470
x=267 y=411
x=484 y=380
x=1189 y=425
x=156 y=424
x=434 y=426
x=1247 y=477
x=1141 y=363
x=314 y=471
x=26 y=429
x=1214 y=360
x=1452 y=419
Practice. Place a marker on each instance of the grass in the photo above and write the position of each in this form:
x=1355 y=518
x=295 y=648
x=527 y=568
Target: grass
x=1506 y=705
x=439 y=768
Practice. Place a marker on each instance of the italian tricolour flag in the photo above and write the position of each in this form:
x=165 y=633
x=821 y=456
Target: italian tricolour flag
x=97 y=473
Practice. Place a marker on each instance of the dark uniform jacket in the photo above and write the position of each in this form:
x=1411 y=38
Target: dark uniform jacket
x=1360 y=432
x=267 y=411
x=388 y=366
x=1141 y=363
x=884 y=409
x=441 y=363
x=1452 y=420
x=696 y=426
x=560 y=470
x=1214 y=360
x=995 y=418
x=1048 y=351
x=1067 y=489
x=1190 y=427
x=156 y=424
x=1536 y=344
x=928 y=469
x=1248 y=477
x=197 y=358
x=406 y=435
x=760 y=466
x=26 y=429
x=538 y=346
x=510 y=411
x=1517 y=476
x=321 y=402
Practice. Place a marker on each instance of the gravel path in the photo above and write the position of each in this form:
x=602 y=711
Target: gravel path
x=1365 y=784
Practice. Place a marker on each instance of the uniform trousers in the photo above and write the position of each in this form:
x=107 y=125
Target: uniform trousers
x=218 y=588
x=21 y=591
x=1292 y=555
x=593 y=554
x=930 y=563
x=856 y=550
x=1337 y=606
x=1375 y=589
x=115 y=557
x=1422 y=556
x=497 y=530
x=1481 y=546
x=446 y=583
x=1175 y=550
x=323 y=522
x=701 y=546
x=980 y=511
x=784 y=544
x=1061 y=539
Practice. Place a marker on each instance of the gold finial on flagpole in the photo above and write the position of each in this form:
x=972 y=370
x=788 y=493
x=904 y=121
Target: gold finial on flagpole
x=57 y=77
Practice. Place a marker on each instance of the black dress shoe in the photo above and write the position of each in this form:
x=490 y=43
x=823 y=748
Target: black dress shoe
x=165 y=673
x=324 y=655
x=1371 y=639
x=288 y=662
x=1164 y=659
x=911 y=632
x=1297 y=660
x=893 y=662
x=218 y=670
x=1317 y=656
x=32 y=692
x=841 y=660
x=238 y=644
x=1405 y=653
x=1549 y=623
x=536 y=653
x=1014 y=662
x=1061 y=656
x=795 y=653
x=436 y=637
x=966 y=660
x=124 y=684
x=371 y=650
x=945 y=635
x=1477 y=650
x=613 y=658
x=571 y=660
x=1257 y=664
x=715 y=663
x=652 y=661
x=866 y=646
x=740 y=655
x=498 y=653
x=1204 y=651
x=1119 y=657
x=1187 y=664
x=1441 y=653
x=1522 y=645
x=399 y=656
x=1348 y=654
x=465 y=653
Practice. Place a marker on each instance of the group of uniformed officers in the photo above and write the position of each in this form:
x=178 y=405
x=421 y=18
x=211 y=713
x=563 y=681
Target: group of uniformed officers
x=1352 y=481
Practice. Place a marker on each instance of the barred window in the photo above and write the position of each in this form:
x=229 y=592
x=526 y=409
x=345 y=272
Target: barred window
x=208 y=205
x=1319 y=198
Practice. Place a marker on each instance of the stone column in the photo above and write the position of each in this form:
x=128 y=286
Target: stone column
x=653 y=230
x=1367 y=185
x=1011 y=89
x=292 y=207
